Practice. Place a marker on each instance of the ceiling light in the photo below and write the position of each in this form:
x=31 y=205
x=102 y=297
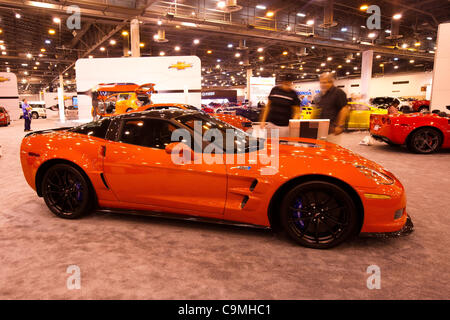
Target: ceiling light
x=372 y=35
x=330 y=58
x=358 y=54
x=310 y=22
x=35 y=68
x=196 y=41
x=25 y=73
x=405 y=45
x=429 y=38
x=387 y=31
x=51 y=31
x=230 y=45
x=241 y=62
x=285 y=53
x=209 y=51
x=217 y=66
x=348 y=61
x=417 y=44
x=43 y=50
x=395 y=59
x=125 y=33
x=90 y=57
x=301 y=14
x=261 y=58
x=162 y=53
x=355 y=68
x=260 y=49
x=382 y=65
x=397 y=16
x=322 y=64
x=282 y=67
x=177 y=48
x=347 y=73
x=56 y=20
x=237 y=55
x=18 y=15
x=270 y=14
x=344 y=29
x=317 y=70
x=41 y=55
x=102 y=49
x=48 y=41
x=221 y=4
x=339 y=66
x=38 y=63
x=411 y=61
x=378 y=57
x=29 y=55
x=261 y=7
x=141 y=45
x=364 y=7
x=112 y=42
x=395 y=67
x=188 y=24
x=159 y=22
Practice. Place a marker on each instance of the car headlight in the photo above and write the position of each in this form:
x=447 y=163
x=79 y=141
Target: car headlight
x=378 y=177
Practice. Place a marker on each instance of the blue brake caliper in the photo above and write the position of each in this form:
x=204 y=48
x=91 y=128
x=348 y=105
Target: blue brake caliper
x=298 y=214
x=79 y=191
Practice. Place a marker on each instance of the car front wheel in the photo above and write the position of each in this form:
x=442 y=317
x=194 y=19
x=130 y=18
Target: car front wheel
x=319 y=215
x=34 y=115
x=67 y=192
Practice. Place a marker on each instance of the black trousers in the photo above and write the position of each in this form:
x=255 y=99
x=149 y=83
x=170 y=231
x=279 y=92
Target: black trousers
x=27 y=124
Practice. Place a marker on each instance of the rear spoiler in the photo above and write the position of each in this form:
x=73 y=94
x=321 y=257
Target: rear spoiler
x=47 y=131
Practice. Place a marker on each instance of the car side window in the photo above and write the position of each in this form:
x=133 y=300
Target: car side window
x=96 y=129
x=151 y=133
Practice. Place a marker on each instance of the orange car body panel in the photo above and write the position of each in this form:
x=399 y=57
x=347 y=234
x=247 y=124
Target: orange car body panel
x=141 y=178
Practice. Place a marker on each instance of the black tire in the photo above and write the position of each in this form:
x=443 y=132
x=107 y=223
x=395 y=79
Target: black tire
x=67 y=192
x=320 y=227
x=423 y=109
x=34 y=115
x=424 y=141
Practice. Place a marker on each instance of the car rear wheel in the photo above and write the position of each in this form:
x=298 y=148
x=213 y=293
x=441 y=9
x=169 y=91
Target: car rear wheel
x=34 y=115
x=67 y=192
x=319 y=215
x=424 y=140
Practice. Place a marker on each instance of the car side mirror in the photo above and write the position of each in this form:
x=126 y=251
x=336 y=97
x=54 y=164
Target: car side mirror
x=180 y=152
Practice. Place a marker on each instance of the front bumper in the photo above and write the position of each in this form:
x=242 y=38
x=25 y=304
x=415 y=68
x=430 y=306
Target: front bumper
x=407 y=229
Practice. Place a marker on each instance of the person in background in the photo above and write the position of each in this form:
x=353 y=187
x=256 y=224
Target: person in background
x=283 y=105
x=393 y=108
x=26 y=115
x=333 y=104
x=304 y=102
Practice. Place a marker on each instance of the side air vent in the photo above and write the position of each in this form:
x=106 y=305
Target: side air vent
x=253 y=185
x=244 y=202
x=104 y=181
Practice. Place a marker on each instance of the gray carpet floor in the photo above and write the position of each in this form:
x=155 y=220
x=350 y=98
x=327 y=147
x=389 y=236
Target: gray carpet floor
x=134 y=257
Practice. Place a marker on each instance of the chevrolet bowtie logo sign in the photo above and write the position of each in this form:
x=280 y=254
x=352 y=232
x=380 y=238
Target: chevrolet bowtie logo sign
x=181 y=65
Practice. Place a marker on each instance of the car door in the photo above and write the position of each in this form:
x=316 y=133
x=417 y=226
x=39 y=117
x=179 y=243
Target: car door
x=139 y=171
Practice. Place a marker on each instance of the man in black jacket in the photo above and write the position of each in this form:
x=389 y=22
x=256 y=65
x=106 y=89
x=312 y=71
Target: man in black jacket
x=282 y=106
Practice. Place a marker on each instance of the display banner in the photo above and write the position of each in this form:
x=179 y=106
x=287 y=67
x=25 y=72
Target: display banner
x=9 y=94
x=440 y=89
x=260 y=89
x=176 y=79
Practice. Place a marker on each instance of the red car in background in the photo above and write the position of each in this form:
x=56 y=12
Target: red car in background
x=5 y=120
x=421 y=133
x=420 y=105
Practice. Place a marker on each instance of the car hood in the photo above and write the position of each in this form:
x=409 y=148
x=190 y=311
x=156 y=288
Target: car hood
x=321 y=150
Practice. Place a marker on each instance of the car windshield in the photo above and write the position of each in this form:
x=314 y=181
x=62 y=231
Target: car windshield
x=228 y=138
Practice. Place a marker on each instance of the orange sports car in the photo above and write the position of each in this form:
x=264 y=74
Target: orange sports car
x=319 y=193
x=236 y=121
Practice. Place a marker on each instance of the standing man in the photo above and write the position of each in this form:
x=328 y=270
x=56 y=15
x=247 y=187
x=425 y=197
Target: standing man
x=282 y=106
x=333 y=104
x=26 y=115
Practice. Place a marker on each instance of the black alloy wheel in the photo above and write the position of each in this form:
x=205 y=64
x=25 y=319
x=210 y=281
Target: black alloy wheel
x=319 y=215
x=34 y=115
x=425 y=141
x=66 y=192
